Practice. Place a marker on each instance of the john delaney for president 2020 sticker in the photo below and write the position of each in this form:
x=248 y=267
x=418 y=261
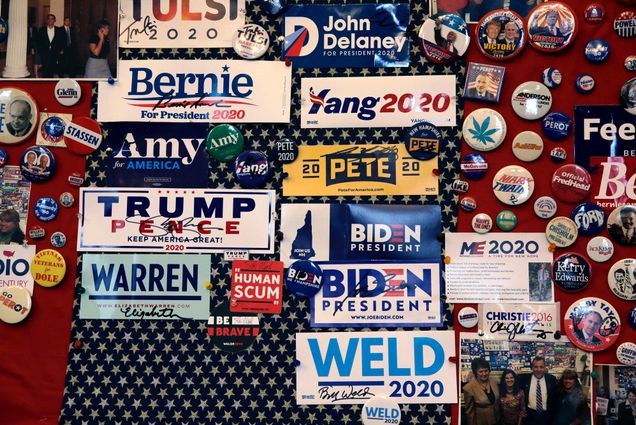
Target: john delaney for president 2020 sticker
x=232 y=331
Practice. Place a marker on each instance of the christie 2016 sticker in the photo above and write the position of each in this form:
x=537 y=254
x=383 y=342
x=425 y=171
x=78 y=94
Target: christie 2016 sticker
x=378 y=295
x=145 y=287
x=352 y=367
x=341 y=36
x=519 y=322
x=175 y=220
x=358 y=170
x=15 y=266
x=592 y=324
x=257 y=287
x=193 y=23
x=209 y=91
x=377 y=101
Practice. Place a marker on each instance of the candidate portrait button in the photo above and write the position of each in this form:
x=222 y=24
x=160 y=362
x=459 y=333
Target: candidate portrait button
x=571 y=183
x=83 y=135
x=589 y=219
x=18 y=115
x=531 y=100
x=473 y=166
x=468 y=203
x=224 y=142
x=513 y=185
x=303 y=278
x=37 y=164
x=625 y=24
x=628 y=96
x=561 y=231
x=286 y=151
x=630 y=63
x=46 y=209
x=468 y=317
x=15 y=304
x=48 y=267
x=626 y=353
x=4 y=157
x=584 y=83
x=594 y=13
x=58 y=240
x=621 y=225
x=558 y=154
x=621 y=279
x=597 y=50
x=600 y=249
x=551 y=77
x=500 y=34
x=381 y=409
x=423 y=141
x=556 y=126
x=482 y=223
x=551 y=26
x=545 y=207
x=250 y=41
x=252 y=169
x=571 y=272
x=68 y=92
x=506 y=220
x=527 y=146
x=67 y=199
x=484 y=129
x=460 y=186
x=592 y=324
x=444 y=37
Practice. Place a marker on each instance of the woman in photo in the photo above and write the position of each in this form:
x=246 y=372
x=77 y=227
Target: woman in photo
x=481 y=395
x=512 y=399
x=97 y=64
x=627 y=410
x=572 y=407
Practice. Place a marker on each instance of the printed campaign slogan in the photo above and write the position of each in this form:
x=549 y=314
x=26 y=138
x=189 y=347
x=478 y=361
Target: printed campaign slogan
x=15 y=266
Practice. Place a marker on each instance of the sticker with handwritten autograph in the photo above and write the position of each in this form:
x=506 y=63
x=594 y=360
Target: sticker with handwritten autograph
x=519 y=322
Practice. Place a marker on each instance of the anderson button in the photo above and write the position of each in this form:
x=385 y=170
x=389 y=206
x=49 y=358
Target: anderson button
x=531 y=100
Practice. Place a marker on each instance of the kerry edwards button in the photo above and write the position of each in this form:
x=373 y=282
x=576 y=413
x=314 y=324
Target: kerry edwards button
x=506 y=220
x=531 y=100
x=48 y=267
x=628 y=96
x=468 y=203
x=551 y=26
x=232 y=332
x=52 y=129
x=621 y=225
x=250 y=41
x=443 y=38
x=585 y=83
x=561 y=231
x=272 y=7
x=381 y=409
x=46 y=209
x=556 y=126
x=600 y=249
x=621 y=279
x=545 y=207
x=252 y=169
x=592 y=324
x=83 y=135
x=224 y=142
x=594 y=13
x=626 y=353
x=37 y=164
x=571 y=183
x=513 y=185
x=58 y=240
x=468 y=317
x=68 y=92
x=303 y=278
x=423 y=140
x=527 y=146
x=474 y=166
x=551 y=77
x=625 y=24
x=589 y=219
x=484 y=129
x=3 y=157
x=597 y=50
x=558 y=154
x=67 y=199
x=482 y=223
x=15 y=304
x=630 y=63
x=460 y=186
x=500 y=34
x=36 y=232
x=571 y=272
x=18 y=116
x=286 y=151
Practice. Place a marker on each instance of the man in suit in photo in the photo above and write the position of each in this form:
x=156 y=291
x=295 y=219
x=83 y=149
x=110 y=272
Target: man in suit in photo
x=591 y=321
x=68 y=65
x=19 y=121
x=550 y=27
x=539 y=388
x=511 y=34
x=624 y=232
x=447 y=43
x=480 y=91
x=51 y=42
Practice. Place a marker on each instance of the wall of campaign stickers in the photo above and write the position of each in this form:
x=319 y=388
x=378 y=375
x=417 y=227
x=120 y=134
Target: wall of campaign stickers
x=333 y=213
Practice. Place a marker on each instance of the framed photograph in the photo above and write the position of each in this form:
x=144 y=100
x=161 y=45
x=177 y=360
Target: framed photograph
x=473 y=10
x=484 y=82
x=615 y=391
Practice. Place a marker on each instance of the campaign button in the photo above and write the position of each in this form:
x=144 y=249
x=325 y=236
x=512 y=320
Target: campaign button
x=423 y=140
x=506 y=220
x=48 y=267
x=250 y=41
x=468 y=203
x=482 y=223
x=15 y=304
x=527 y=146
x=631 y=317
x=286 y=151
x=621 y=279
x=67 y=199
x=37 y=232
x=303 y=278
x=224 y=142
x=628 y=96
x=83 y=135
x=571 y=183
x=513 y=185
x=594 y=13
x=272 y=7
x=621 y=225
x=252 y=169
x=68 y=92
x=556 y=126
x=460 y=186
x=474 y=166
x=58 y=239
x=484 y=129
x=592 y=324
x=232 y=332
x=381 y=409
x=585 y=83
x=52 y=129
x=4 y=30
x=600 y=249
x=626 y=353
x=589 y=218
x=597 y=50
x=561 y=231
x=444 y=37
x=571 y=272
x=75 y=179
x=551 y=77
x=500 y=34
x=630 y=63
x=558 y=154
x=551 y=26
x=545 y=207
x=4 y=157
x=531 y=100
x=625 y=24
x=37 y=164
x=18 y=116
x=46 y=209
x=468 y=317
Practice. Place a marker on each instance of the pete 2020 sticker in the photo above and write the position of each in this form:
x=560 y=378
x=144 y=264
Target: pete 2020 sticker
x=592 y=324
x=232 y=332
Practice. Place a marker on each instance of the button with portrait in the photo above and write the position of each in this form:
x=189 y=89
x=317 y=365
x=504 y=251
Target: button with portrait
x=37 y=164
x=621 y=279
x=621 y=225
x=551 y=26
x=18 y=116
x=443 y=38
x=500 y=34
x=592 y=324
x=628 y=96
x=551 y=77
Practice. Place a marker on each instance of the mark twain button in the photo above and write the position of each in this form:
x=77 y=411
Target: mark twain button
x=500 y=34
x=589 y=218
x=552 y=26
x=600 y=249
x=571 y=183
x=621 y=279
x=527 y=146
x=484 y=129
x=443 y=38
x=571 y=272
x=513 y=185
x=561 y=231
x=15 y=304
x=531 y=100
x=545 y=207
x=18 y=115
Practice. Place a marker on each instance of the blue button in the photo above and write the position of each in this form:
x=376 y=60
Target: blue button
x=571 y=272
x=37 y=164
x=54 y=127
x=303 y=278
x=558 y=154
x=3 y=157
x=58 y=239
x=597 y=50
x=589 y=218
x=252 y=169
x=556 y=126
x=460 y=186
x=468 y=203
x=272 y=7
x=474 y=166
x=46 y=209
x=551 y=77
x=423 y=140
x=585 y=83
x=631 y=317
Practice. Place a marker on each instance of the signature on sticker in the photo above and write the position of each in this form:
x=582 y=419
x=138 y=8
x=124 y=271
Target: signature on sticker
x=143 y=27
x=513 y=329
x=326 y=393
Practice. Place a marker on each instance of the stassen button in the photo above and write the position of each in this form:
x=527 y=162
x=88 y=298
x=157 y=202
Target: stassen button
x=626 y=353
x=551 y=26
x=628 y=96
x=571 y=183
x=500 y=34
x=15 y=304
x=513 y=185
x=594 y=13
x=468 y=203
x=561 y=231
x=506 y=220
x=381 y=409
x=585 y=83
x=600 y=249
x=252 y=169
x=531 y=100
x=474 y=166
x=571 y=272
x=630 y=63
x=250 y=41
x=20 y=116
x=68 y=92
x=589 y=219
x=556 y=126
x=482 y=223
x=551 y=77
x=545 y=207
x=621 y=279
x=460 y=186
x=468 y=317
x=58 y=239
x=484 y=129
x=558 y=154
x=46 y=209
x=597 y=50
x=621 y=225
x=48 y=267
x=52 y=129
x=224 y=142
x=4 y=157
x=286 y=151
x=625 y=24
x=272 y=7
x=423 y=140
x=83 y=135
x=592 y=324
x=67 y=199
x=303 y=278
x=444 y=37
x=527 y=146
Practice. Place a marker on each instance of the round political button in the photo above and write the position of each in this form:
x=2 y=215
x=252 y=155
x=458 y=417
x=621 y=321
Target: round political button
x=250 y=41
x=474 y=166
x=68 y=92
x=252 y=169
x=621 y=279
x=52 y=129
x=460 y=186
x=468 y=317
x=551 y=77
x=621 y=225
x=589 y=219
x=631 y=317
x=4 y=30
x=444 y=37
x=571 y=272
x=468 y=203
x=232 y=332
x=18 y=115
x=594 y=13
x=37 y=164
x=571 y=183
x=482 y=223
x=630 y=63
x=628 y=96
x=552 y=26
x=4 y=157
x=592 y=324
x=527 y=146
x=36 y=232
x=531 y=100
x=513 y=185
x=224 y=142
x=15 y=304
x=484 y=129
x=500 y=34
x=381 y=409
x=303 y=278
x=83 y=135
x=585 y=83
x=625 y=24
x=423 y=140
x=58 y=239
x=506 y=220
x=556 y=126
x=272 y=7
x=600 y=249
x=545 y=207
x=46 y=209
x=67 y=199
x=626 y=353
x=286 y=151
x=597 y=50
x=561 y=231
x=558 y=154
x=48 y=267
